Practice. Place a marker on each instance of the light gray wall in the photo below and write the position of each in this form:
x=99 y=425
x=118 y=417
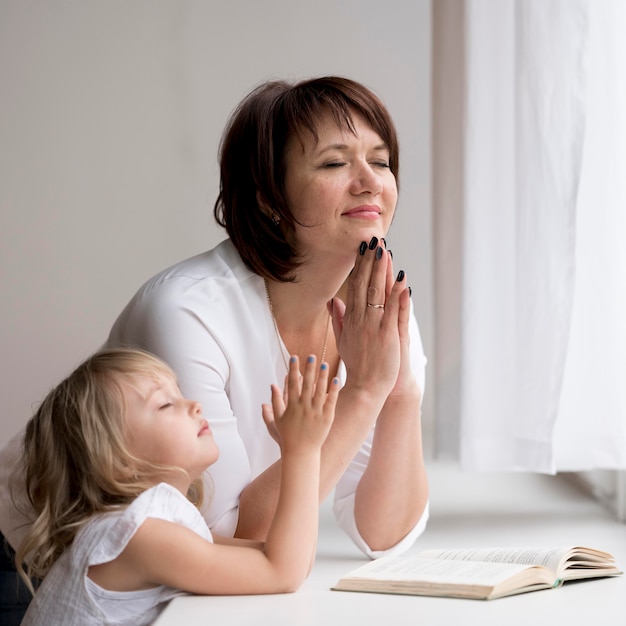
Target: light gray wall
x=110 y=119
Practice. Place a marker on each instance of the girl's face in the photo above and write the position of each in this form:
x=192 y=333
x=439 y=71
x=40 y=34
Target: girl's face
x=340 y=187
x=165 y=428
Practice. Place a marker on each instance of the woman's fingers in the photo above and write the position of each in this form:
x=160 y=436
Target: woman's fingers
x=373 y=320
x=404 y=305
x=376 y=292
x=392 y=304
x=337 y=310
x=389 y=279
x=368 y=278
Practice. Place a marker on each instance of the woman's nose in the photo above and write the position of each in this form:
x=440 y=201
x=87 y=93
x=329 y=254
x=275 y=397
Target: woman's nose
x=366 y=180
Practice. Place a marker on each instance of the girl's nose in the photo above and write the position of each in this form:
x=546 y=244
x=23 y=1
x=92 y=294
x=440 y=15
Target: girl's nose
x=195 y=408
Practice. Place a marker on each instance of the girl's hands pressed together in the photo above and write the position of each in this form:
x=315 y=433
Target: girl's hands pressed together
x=302 y=416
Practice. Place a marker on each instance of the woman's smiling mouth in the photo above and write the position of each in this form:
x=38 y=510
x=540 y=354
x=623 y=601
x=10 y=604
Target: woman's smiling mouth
x=365 y=211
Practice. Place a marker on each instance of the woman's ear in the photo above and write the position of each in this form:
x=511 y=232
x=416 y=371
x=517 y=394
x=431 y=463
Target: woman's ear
x=267 y=210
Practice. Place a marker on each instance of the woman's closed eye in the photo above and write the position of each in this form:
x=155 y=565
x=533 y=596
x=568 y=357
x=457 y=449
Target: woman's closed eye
x=378 y=163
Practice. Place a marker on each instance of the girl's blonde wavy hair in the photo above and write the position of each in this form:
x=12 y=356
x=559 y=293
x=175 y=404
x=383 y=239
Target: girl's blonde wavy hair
x=75 y=461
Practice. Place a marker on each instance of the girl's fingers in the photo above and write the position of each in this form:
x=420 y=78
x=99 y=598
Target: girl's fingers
x=330 y=399
x=293 y=378
x=310 y=374
x=270 y=422
x=278 y=403
x=321 y=385
x=268 y=416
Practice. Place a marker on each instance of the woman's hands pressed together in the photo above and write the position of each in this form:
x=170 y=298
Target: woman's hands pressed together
x=371 y=327
x=373 y=341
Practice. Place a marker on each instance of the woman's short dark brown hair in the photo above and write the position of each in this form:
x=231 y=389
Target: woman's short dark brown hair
x=252 y=161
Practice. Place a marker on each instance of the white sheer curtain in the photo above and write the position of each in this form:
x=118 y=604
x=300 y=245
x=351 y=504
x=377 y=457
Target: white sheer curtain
x=530 y=254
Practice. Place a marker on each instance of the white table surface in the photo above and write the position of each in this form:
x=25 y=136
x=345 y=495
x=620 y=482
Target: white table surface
x=468 y=511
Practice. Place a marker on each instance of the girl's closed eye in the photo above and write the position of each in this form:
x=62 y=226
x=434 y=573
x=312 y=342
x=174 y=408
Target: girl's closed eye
x=167 y=405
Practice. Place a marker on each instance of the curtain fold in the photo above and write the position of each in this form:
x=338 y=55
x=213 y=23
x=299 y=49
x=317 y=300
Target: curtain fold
x=540 y=269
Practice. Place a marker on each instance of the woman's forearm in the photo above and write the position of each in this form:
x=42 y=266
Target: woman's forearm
x=393 y=491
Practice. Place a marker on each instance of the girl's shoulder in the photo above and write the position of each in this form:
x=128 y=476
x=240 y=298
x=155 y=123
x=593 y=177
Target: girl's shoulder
x=106 y=535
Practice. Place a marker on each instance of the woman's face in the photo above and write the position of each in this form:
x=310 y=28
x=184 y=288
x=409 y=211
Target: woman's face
x=339 y=187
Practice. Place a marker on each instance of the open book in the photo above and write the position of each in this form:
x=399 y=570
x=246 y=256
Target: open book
x=482 y=574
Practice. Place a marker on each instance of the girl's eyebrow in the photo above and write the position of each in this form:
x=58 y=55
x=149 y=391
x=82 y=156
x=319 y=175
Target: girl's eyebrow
x=153 y=389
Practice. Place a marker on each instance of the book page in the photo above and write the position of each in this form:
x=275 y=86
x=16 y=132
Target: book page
x=440 y=571
x=546 y=557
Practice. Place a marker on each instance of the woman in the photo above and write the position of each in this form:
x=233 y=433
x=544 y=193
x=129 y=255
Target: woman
x=308 y=191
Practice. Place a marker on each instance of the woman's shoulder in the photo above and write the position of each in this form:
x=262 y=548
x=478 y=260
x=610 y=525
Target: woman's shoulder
x=218 y=264
x=209 y=284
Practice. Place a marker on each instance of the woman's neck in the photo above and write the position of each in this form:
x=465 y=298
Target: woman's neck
x=303 y=304
x=301 y=315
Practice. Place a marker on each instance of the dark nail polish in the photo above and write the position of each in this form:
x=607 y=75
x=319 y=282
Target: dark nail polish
x=383 y=241
x=390 y=254
x=410 y=292
x=373 y=242
x=362 y=248
x=379 y=253
x=400 y=276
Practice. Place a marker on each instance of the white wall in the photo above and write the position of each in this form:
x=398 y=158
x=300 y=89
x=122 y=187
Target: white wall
x=110 y=118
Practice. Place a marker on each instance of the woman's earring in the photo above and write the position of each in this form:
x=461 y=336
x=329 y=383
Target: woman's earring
x=275 y=219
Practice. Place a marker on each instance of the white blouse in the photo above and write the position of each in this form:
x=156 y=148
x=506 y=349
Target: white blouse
x=68 y=597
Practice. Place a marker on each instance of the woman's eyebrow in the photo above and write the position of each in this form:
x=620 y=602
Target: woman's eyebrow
x=333 y=146
x=382 y=147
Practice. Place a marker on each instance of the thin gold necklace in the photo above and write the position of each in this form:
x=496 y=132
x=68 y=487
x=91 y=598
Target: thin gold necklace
x=280 y=343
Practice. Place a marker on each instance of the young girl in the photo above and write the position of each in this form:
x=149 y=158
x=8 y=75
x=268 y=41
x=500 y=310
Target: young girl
x=109 y=458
